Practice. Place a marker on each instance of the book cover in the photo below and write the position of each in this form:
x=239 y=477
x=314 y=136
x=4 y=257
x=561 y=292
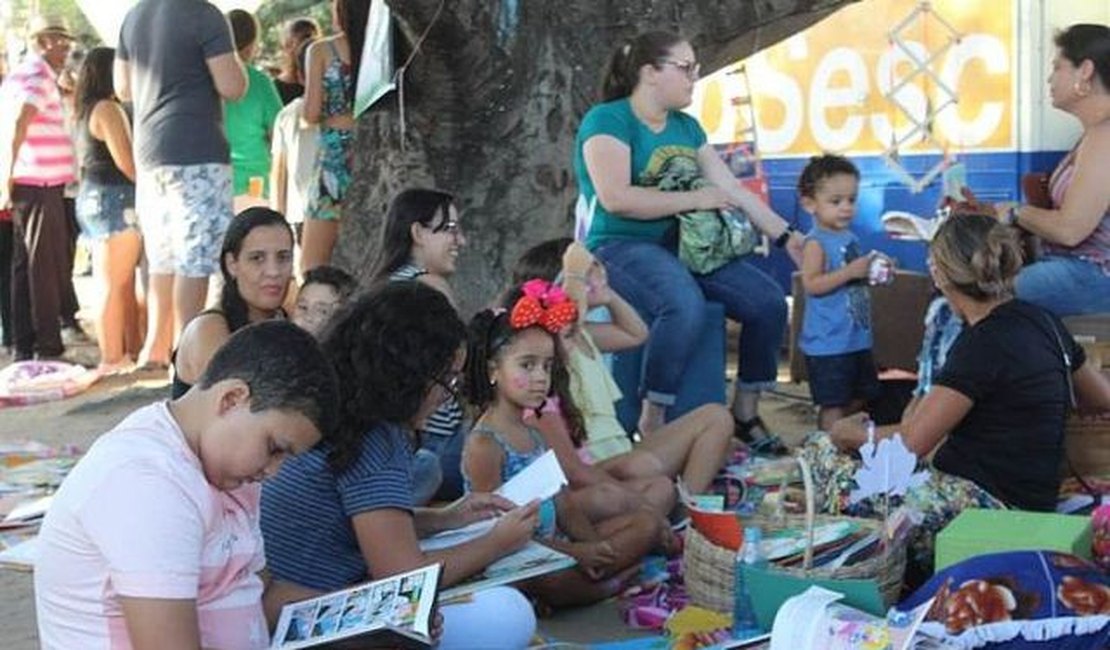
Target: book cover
x=393 y=612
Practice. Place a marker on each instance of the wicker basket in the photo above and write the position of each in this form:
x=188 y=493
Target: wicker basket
x=709 y=568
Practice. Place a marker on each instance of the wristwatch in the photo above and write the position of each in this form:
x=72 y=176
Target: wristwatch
x=1011 y=215
x=781 y=240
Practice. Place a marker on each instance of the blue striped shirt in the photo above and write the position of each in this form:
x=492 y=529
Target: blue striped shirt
x=307 y=509
x=447 y=419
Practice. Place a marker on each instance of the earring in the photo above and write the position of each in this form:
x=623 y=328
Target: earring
x=492 y=382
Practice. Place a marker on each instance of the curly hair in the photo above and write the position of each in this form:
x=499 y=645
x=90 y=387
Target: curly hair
x=388 y=346
x=489 y=332
x=820 y=168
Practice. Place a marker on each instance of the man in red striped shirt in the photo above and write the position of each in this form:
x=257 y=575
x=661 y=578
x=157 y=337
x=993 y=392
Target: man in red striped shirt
x=33 y=183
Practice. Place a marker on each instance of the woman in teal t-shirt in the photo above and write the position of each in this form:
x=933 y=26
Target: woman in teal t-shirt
x=250 y=120
x=639 y=162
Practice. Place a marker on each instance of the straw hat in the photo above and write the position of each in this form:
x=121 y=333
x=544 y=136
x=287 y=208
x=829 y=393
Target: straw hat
x=49 y=25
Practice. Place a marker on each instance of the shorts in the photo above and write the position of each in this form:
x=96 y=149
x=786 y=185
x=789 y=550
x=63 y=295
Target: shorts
x=838 y=379
x=104 y=210
x=184 y=211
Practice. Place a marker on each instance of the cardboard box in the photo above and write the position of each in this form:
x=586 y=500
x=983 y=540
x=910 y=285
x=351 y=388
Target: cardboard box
x=977 y=532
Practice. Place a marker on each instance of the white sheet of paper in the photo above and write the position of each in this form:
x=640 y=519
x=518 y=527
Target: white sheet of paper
x=542 y=479
x=30 y=509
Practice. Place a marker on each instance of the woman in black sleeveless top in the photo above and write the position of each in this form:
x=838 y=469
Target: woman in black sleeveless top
x=106 y=208
x=256 y=262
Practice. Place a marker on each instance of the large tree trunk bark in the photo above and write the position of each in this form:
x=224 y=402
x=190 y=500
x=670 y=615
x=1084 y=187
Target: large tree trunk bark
x=492 y=101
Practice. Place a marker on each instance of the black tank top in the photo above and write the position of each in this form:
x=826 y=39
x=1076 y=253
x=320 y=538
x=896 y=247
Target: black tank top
x=96 y=161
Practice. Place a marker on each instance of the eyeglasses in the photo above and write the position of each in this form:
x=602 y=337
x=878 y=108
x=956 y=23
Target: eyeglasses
x=692 y=69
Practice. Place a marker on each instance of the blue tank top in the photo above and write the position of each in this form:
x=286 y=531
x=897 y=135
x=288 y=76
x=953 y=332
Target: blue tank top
x=514 y=462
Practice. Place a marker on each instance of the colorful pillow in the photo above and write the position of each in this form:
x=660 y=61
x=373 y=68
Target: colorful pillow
x=1018 y=600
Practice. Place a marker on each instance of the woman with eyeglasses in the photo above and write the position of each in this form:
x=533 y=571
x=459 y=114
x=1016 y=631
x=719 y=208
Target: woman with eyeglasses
x=640 y=161
x=421 y=240
x=343 y=513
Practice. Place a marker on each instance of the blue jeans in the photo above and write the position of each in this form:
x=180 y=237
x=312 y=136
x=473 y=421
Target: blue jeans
x=1066 y=286
x=672 y=301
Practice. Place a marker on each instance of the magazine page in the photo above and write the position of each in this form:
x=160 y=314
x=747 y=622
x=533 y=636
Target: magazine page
x=542 y=479
x=533 y=560
x=401 y=604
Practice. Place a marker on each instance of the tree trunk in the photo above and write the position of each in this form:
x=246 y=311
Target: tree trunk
x=492 y=101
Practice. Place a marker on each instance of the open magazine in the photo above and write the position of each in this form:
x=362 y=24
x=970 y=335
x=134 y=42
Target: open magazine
x=394 y=612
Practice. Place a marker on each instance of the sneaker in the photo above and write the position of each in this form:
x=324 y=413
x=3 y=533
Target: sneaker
x=74 y=335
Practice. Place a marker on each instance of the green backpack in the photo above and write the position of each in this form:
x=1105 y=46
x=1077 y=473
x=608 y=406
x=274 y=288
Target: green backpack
x=709 y=239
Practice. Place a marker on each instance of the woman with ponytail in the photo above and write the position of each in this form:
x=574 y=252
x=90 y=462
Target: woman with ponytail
x=995 y=413
x=640 y=161
x=256 y=263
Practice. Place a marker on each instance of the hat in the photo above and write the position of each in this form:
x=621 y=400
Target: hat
x=48 y=24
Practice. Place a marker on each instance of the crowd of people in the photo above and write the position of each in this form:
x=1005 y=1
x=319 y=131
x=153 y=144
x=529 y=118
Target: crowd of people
x=317 y=431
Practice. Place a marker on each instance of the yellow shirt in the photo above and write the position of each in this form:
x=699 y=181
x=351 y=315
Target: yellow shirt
x=595 y=393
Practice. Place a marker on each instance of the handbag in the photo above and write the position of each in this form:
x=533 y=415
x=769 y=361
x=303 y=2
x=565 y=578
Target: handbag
x=709 y=239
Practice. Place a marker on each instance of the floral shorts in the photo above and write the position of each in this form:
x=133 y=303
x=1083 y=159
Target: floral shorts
x=939 y=499
x=184 y=211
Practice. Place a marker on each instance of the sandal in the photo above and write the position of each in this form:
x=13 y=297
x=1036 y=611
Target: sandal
x=766 y=444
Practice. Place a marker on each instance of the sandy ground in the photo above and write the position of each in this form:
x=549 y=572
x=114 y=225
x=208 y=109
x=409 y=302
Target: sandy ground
x=79 y=420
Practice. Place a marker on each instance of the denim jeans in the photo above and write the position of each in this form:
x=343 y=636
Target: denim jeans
x=1066 y=286
x=672 y=301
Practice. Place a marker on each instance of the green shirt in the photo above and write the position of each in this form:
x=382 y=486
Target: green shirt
x=249 y=122
x=667 y=160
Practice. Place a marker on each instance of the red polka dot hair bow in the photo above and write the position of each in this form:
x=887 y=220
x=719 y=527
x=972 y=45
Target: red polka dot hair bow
x=544 y=304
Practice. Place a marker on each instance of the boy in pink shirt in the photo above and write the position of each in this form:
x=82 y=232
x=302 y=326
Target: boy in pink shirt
x=153 y=539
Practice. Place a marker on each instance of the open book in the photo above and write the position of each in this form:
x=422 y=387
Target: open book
x=394 y=612
x=909 y=227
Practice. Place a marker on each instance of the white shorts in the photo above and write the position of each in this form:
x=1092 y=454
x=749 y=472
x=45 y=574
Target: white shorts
x=184 y=211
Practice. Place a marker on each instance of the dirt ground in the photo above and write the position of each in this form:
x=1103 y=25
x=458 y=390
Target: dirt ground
x=80 y=419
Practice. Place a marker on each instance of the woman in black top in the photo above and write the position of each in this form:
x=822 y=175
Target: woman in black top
x=106 y=208
x=256 y=262
x=995 y=414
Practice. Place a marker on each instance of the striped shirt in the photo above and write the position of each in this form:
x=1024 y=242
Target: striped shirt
x=447 y=419
x=307 y=509
x=46 y=157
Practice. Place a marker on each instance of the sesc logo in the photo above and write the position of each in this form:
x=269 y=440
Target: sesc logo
x=825 y=89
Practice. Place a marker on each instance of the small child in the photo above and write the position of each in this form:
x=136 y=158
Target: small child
x=325 y=289
x=836 y=330
x=512 y=362
x=153 y=539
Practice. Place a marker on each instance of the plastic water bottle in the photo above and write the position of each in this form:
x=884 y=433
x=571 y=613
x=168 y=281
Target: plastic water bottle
x=744 y=624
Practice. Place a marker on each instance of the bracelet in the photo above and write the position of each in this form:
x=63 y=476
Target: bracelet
x=781 y=240
x=1011 y=215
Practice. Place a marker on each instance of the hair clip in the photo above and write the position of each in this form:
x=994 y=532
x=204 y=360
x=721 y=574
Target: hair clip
x=544 y=304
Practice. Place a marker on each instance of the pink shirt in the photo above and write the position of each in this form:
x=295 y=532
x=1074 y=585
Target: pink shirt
x=137 y=518
x=46 y=157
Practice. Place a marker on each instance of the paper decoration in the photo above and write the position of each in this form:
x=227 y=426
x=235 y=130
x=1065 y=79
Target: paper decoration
x=887 y=469
x=375 y=72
